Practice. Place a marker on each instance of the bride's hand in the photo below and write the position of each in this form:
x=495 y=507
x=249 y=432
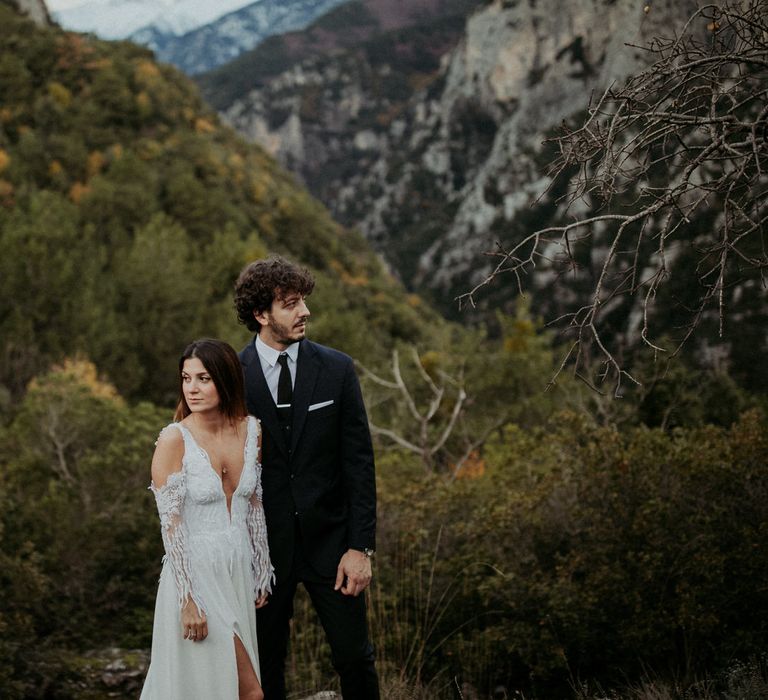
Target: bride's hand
x=261 y=601
x=193 y=623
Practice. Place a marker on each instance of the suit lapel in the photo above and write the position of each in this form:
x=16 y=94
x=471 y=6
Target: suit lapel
x=257 y=389
x=307 y=372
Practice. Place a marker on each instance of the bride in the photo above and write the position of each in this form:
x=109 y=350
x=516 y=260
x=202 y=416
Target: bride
x=206 y=478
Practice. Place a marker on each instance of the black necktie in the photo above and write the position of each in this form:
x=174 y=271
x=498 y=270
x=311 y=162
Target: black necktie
x=284 y=391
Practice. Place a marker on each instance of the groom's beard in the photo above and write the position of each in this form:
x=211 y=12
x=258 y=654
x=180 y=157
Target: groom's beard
x=287 y=335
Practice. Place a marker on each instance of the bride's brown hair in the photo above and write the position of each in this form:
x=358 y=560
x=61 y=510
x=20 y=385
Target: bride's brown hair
x=221 y=362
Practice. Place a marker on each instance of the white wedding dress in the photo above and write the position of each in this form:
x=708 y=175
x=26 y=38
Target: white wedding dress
x=219 y=560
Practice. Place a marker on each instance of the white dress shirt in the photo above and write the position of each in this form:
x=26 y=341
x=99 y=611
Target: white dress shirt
x=268 y=358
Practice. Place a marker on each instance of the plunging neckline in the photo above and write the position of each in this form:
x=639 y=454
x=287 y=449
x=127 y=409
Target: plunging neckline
x=210 y=463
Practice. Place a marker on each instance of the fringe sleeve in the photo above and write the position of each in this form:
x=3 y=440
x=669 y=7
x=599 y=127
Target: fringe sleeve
x=170 y=500
x=261 y=565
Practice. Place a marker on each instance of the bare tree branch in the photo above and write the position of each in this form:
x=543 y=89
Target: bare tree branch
x=426 y=431
x=675 y=157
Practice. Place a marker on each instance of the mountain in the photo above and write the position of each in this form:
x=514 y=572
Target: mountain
x=117 y=19
x=348 y=27
x=217 y=42
x=428 y=138
x=194 y=35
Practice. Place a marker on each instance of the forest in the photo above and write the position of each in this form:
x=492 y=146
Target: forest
x=534 y=541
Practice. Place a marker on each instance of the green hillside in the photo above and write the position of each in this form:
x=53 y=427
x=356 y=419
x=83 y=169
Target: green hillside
x=126 y=211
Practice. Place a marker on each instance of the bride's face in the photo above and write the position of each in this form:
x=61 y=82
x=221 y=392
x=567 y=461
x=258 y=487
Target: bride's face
x=199 y=390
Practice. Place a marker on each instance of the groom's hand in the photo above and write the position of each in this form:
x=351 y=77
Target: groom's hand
x=355 y=569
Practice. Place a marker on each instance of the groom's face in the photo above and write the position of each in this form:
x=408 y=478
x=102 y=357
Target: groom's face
x=285 y=322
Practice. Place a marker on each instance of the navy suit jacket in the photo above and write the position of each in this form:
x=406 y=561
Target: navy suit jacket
x=323 y=482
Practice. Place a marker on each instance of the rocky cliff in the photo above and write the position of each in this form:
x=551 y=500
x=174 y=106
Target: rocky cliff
x=36 y=10
x=429 y=138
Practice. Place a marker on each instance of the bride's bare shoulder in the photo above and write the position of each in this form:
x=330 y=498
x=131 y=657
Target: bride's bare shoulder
x=169 y=453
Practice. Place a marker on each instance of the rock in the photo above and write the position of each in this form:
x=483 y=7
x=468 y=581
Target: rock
x=117 y=669
x=36 y=10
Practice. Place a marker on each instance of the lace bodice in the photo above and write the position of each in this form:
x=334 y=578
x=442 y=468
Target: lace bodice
x=198 y=528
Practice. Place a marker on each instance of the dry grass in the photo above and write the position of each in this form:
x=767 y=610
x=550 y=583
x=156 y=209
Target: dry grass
x=742 y=681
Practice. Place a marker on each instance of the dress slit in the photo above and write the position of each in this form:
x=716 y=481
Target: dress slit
x=237 y=638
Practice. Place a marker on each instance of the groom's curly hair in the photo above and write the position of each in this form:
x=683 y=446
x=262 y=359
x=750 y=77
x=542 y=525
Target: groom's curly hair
x=263 y=281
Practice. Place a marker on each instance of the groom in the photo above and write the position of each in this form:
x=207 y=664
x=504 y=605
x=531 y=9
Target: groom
x=317 y=474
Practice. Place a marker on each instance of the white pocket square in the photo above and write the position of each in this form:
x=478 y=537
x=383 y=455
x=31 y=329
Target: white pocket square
x=322 y=404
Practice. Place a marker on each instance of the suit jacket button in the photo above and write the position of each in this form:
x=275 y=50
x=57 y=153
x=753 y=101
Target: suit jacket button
x=292 y=475
x=296 y=512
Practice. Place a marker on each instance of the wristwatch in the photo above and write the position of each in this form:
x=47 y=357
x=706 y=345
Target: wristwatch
x=369 y=552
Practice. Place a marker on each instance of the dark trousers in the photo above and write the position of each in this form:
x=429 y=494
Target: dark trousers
x=343 y=620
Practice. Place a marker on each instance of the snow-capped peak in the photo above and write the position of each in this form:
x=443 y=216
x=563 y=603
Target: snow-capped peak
x=117 y=19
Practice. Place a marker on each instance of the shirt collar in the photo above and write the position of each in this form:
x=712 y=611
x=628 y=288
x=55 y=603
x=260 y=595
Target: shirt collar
x=270 y=355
